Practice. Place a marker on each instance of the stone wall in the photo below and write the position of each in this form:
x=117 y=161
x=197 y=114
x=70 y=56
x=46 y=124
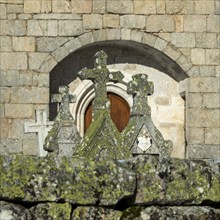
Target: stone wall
x=36 y=35
x=141 y=188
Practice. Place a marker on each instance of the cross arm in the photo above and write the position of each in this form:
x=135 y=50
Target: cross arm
x=87 y=74
x=116 y=76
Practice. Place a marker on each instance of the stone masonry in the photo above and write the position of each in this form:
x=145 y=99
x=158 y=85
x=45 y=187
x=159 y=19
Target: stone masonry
x=36 y=35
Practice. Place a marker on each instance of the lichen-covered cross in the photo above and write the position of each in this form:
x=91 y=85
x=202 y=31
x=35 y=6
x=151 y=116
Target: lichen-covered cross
x=100 y=75
x=140 y=88
x=64 y=98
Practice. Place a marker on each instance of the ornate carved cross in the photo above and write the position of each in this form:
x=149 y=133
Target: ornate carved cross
x=140 y=88
x=100 y=75
x=64 y=98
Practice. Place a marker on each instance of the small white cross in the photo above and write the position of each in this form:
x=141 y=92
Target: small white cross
x=42 y=126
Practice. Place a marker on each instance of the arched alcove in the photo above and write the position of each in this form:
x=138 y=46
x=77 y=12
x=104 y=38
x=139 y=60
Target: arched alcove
x=130 y=58
x=118 y=52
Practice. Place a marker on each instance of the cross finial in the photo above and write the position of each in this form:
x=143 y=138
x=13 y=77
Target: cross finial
x=100 y=75
x=64 y=98
x=140 y=88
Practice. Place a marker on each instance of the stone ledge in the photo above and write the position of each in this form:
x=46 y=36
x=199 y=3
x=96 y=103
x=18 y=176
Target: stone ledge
x=141 y=180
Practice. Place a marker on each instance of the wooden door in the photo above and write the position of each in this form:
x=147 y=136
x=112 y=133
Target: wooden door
x=120 y=112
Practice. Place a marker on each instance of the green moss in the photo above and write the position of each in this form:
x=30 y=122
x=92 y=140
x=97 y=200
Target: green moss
x=214 y=193
x=59 y=211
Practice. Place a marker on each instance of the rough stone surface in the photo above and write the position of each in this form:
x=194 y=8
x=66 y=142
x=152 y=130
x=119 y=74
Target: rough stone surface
x=19 y=60
x=18 y=111
x=24 y=43
x=84 y=182
x=95 y=213
x=93 y=21
x=133 y=21
x=175 y=212
x=42 y=28
x=158 y=23
x=82 y=6
x=142 y=180
x=69 y=28
x=193 y=23
x=13 y=27
x=10 y=146
x=122 y=7
x=33 y=95
x=51 y=211
x=12 y=211
x=144 y=7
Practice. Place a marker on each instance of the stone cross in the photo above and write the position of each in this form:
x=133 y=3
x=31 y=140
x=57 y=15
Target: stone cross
x=140 y=88
x=41 y=127
x=100 y=75
x=64 y=98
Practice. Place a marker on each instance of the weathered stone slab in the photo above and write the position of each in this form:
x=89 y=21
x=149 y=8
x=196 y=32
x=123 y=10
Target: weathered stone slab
x=212 y=136
x=144 y=7
x=94 y=213
x=3 y=11
x=10 y=146
x=198 y=117
x=13 y=60
x=198 y=151
x=12 y=211
x=33 y=95
x=51 y=211
x=5 y=94
x=212 y=56
x=176 y=182
x=84 y=182
x=23 y=43
x=63 y=6
x=5 y=43
x=180 y=7
x=19 y=110
x=195 y=23
x=93 y=21
x=133 y=21
x=4 y=127
x=204 y=84
x=198 y=56
x=206 y=40
x=172 y=212
x=13 y=27
x=42 y=28
x=120 y=7
x=82 y=6
x=213 y=23
x=211 y=100
x=110 y=21
x=49 y=44
x=170 y=182
x=183 y=39
x=156 y=23
x=70 y=28
x=99 y=6
x=36 y=60
x=15 y=9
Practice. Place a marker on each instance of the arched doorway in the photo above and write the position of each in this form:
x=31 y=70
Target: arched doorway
x=119 y=110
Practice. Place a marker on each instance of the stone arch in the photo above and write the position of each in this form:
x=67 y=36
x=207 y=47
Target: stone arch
x=164 y=50
x=152 y=51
